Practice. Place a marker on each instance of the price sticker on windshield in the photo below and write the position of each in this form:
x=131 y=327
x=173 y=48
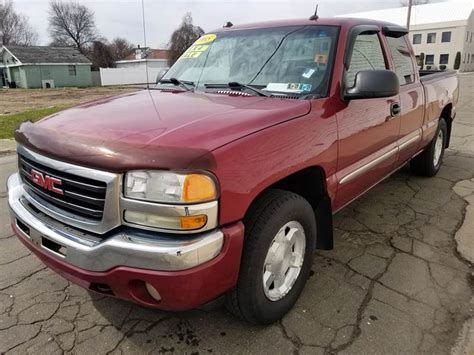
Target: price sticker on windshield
x=206 y=39
x=195 y=51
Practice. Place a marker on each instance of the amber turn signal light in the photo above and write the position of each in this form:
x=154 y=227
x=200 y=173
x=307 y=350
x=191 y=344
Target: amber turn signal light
x=198 y=188
x=193 y=222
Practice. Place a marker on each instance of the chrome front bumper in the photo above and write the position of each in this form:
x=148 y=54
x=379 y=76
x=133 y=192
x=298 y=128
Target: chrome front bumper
x=128 y=247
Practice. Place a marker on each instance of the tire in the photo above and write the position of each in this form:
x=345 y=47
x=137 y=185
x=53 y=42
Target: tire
x=275 y=209
x=429 y=162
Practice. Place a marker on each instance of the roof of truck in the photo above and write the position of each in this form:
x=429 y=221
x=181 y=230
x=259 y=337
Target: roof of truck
x=333 y=21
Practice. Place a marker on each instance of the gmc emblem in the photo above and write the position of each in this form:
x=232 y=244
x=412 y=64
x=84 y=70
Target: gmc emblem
x=46 y=182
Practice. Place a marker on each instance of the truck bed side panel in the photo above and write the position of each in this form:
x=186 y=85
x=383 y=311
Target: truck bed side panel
x=440 y=90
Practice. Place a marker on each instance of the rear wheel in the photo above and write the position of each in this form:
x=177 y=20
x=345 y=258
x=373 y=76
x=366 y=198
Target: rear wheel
x=279 y=246
x=429 y=162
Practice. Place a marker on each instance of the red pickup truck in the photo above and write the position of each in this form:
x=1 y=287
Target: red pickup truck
x=223 y=178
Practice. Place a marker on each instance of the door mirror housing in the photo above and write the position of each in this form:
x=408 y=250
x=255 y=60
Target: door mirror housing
x=371 y=84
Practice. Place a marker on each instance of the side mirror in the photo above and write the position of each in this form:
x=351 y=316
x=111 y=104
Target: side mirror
x=161 y=74
x=371 y=84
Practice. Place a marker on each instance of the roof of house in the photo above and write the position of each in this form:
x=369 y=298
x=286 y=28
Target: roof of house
x=152 y=54
x=47 y=55
x=440 y=12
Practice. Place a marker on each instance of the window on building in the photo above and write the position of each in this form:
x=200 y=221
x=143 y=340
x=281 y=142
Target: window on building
x=446 y=37
x=431 y=37
x=468 y=58
x=464 y=59
x=72 y=70
x=467 y=36
x=366 y=55
x=402 y=60
x=429 y=59
x=417 y=38
x=471 y=37
x=444 y=59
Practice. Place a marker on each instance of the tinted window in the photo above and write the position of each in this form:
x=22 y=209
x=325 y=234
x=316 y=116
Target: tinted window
x=402 y=59
x=429 y=59
x=417 y=39
x=444 y=59
x=366 y=55
x=446 y=37
x=431 y=38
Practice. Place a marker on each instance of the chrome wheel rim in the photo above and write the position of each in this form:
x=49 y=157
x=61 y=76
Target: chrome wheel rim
x=438 y=148
x=284 y=260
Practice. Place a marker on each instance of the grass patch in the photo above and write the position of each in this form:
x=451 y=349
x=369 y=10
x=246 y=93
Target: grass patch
x=10 y=122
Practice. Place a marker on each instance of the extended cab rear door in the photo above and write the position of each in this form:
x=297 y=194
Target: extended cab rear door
x=368 y=128
x=411 y=103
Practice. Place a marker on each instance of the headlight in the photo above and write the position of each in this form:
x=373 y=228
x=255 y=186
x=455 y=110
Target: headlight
x=168 y=187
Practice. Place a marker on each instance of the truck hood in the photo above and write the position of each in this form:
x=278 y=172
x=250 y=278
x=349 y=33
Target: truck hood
x=154 y=129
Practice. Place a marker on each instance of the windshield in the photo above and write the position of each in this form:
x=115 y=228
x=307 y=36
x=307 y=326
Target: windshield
x=285 y=60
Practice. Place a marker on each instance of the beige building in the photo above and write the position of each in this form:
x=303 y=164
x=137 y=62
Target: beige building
x=439 y=31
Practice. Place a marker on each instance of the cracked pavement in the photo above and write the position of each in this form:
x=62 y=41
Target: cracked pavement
x=395 y=282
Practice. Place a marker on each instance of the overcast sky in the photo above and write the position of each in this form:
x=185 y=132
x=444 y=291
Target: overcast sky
x=123 y=17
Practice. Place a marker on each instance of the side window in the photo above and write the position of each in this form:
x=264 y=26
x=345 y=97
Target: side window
x=366 y=55
x=402 y=59
x=72 y=70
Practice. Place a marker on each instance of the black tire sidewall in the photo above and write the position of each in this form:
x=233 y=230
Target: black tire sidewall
x=442 y=126
x=251 y=293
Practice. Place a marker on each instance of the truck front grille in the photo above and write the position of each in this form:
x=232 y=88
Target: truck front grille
x=81 y=196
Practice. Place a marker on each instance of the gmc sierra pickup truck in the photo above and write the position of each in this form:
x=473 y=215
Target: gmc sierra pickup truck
x=222 y=179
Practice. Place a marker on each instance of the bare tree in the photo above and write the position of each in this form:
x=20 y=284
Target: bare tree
x=415 y=2
x=121 y=48
x=183 y=37
x=101 y=55
x=14 y=27
x=71 y=24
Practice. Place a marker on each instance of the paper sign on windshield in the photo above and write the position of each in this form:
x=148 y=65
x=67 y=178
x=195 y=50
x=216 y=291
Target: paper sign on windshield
x=291 y=87
x=195 y=51
x=206 y=39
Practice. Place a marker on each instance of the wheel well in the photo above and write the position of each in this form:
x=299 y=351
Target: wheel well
x=310 y=183
x=446 y=114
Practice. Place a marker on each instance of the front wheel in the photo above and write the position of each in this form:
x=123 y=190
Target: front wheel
x=429 y=162
x=279 y=246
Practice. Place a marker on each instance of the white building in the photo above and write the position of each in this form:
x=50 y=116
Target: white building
x=135 y=68
x=439 y=31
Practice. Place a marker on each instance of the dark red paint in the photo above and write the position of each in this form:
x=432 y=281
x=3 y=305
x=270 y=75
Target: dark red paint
x=181 y=290
x=249 y=143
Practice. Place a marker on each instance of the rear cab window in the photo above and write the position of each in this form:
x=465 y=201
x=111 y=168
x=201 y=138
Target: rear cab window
x=402 y=59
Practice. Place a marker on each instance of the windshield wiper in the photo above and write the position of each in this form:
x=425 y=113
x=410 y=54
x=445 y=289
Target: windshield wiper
x=183 y=83
x=235 y=85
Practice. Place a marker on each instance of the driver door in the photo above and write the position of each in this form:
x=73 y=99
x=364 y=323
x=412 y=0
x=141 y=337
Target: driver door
x=368 y=128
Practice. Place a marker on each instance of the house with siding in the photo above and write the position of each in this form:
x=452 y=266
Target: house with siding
x=43 y=67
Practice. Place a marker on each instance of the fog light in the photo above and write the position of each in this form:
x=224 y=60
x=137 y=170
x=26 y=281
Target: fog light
x=153 y=292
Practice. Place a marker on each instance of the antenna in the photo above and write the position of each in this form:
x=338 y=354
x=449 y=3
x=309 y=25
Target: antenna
x=144 y=42
x=315 y=16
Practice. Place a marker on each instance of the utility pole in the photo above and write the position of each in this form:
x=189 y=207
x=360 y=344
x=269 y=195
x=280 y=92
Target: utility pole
x=410 y=4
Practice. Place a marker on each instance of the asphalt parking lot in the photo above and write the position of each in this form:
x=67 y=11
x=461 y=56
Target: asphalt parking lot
x=396 y=283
